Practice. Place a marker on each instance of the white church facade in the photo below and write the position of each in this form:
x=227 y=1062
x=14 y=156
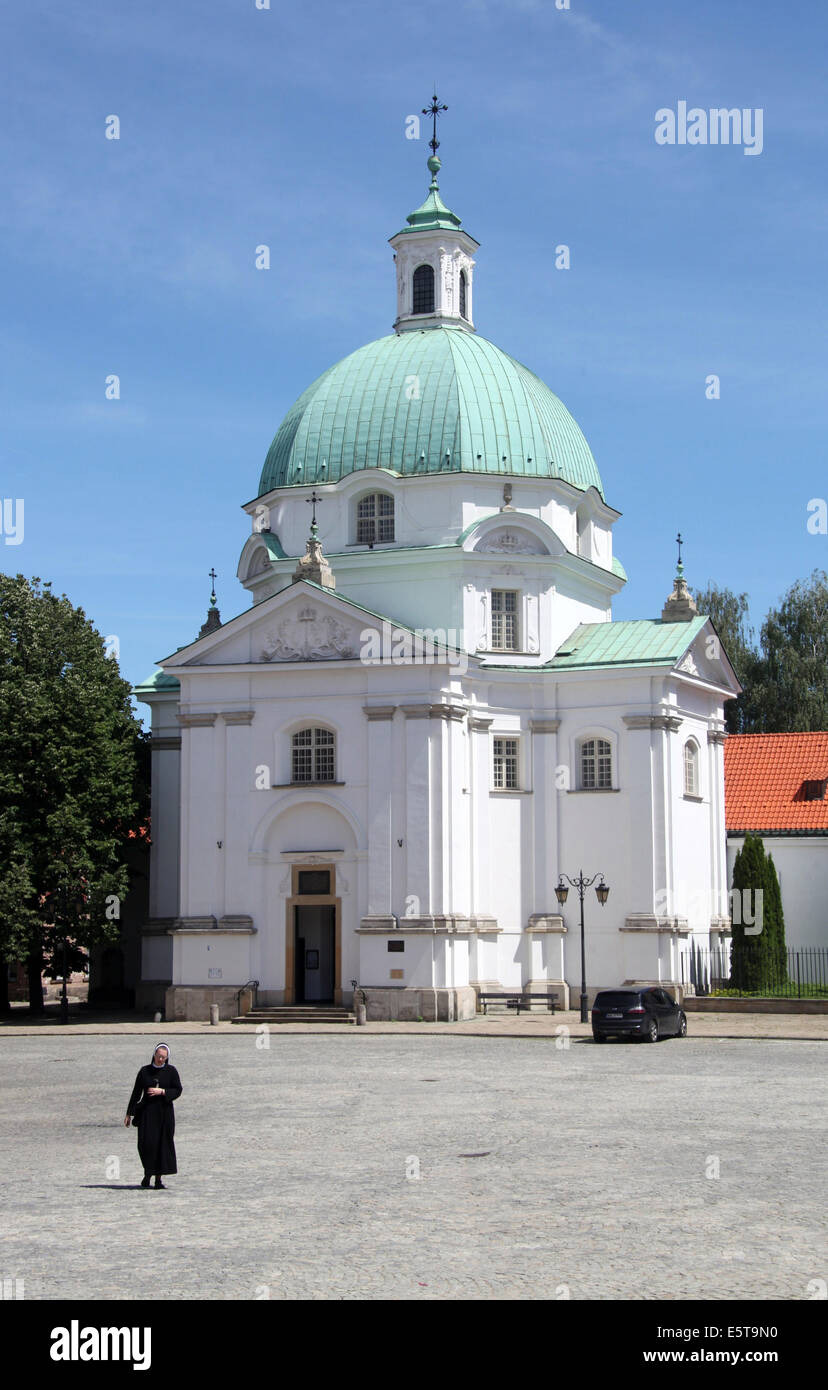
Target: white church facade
x=373 y=777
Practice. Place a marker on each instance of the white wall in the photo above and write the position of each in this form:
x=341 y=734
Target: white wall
x=802 y=868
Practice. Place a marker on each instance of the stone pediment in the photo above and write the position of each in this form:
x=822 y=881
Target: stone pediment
x=310 y=632
x=706 y=659
x=300 y=623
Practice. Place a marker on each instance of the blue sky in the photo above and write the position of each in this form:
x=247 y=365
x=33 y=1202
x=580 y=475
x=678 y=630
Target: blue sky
x=286 y=126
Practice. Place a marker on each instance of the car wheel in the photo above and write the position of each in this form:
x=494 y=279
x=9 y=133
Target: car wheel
x=682 y=1028
x=652 y=1031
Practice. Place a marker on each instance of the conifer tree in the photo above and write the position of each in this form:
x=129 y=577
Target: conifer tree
x=749 y=949
x=775 y=926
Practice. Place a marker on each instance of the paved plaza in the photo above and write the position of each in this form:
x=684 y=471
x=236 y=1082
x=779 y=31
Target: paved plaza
x=355 y=1165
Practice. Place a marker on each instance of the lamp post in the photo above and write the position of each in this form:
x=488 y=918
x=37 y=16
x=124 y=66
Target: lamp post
x=562 y=893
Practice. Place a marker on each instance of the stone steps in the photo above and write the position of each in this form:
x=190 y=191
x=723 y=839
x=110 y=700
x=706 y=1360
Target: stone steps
x=297 y=1013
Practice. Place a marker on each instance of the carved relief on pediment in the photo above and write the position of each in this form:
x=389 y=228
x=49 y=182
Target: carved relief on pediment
x=310 y=636
x=513 y=541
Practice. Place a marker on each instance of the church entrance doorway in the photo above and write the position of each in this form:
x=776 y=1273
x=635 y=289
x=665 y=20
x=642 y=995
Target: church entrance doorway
x=315 y=951
x=313 y=936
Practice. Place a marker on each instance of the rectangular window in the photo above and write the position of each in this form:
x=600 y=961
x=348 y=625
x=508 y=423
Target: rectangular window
x=396 y=945
x=596 y=765
x=375 y=519
x=505 y=620
x=505 y=764
x=814 y=789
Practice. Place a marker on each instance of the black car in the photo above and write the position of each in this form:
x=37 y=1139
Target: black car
x=647 y=1014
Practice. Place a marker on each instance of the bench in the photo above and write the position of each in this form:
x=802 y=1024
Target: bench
x=517 y=999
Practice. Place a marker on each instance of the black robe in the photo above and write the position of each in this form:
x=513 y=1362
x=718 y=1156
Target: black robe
x=156 y=1117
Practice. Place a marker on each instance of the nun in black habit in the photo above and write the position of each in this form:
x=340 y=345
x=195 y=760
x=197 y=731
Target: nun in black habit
x=157 y=1085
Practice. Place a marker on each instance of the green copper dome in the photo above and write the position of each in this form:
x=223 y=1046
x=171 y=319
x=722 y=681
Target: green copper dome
x=440 y=400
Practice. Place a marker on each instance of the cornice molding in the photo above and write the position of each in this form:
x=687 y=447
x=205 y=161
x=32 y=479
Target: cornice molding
x=549 y=922
x=454 y=925
x=238 y=716
x=654 y=720
x=648 y=922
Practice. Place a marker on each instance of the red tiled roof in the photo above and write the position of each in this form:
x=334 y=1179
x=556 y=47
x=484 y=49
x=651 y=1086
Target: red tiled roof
x=765 y=776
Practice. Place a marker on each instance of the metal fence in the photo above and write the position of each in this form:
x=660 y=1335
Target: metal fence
x=799 y=974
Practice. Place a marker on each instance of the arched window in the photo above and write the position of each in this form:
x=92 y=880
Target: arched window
x=423 y=290
x=463 y=313
x=313 y=757
x=375 y=519
x=596 y=765
x=691 y=768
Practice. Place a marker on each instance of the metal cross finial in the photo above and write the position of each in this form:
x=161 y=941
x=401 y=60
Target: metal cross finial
x=434 y=110
x=312 y=501
x=212 y=575
x=680 y=543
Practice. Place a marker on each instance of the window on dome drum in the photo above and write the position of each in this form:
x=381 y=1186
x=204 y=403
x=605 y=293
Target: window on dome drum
x=691 y=768
x=505 y=620
x=423 y=286
x=375 y=519
x=505 y=764
x=596 y=765
x=463 y=313
x=313 y=756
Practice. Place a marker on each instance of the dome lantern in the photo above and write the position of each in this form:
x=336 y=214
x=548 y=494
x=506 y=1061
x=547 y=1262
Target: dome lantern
x=434 y=259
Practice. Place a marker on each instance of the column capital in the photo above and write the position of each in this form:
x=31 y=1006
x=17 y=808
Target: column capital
x=373 y=713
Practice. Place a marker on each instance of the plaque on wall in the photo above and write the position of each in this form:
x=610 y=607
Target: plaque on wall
x=314 y=881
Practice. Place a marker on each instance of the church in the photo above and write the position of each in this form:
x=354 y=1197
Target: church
x=372 y=781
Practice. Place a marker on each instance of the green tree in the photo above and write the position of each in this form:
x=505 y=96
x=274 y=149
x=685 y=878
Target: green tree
x=789 y=692
x=774 y=925
x=730 y=618
x=748 y=949
x=67 y=779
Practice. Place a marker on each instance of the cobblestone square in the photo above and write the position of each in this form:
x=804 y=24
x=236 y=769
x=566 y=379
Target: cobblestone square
x=363 y=1166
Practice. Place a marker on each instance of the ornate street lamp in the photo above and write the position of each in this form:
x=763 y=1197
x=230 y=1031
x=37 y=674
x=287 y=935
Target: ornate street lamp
x=562 y=893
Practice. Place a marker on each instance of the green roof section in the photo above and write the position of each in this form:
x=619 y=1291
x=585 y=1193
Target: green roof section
x=159 y=680
x=442 y=400
x=640 y=642
x=274 y=546
x=432 y=215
